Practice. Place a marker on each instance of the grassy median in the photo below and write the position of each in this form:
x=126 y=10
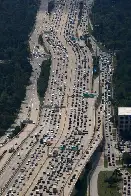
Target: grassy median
x=104 y=188
x=105 y=162
x=42 y=82
x=129 y=170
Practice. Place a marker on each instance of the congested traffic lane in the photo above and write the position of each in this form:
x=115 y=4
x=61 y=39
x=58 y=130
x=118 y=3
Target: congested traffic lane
x=68 y=82
x=56 y=94
x=106 y=78
x=126 y=183
x=31 y=100
x=42 y=178
x=12 y=162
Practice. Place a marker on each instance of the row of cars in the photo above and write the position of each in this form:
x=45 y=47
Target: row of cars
x=50 y=122
x=126 y=184
x=44 y=169
x=78 y=123
x=106 y=78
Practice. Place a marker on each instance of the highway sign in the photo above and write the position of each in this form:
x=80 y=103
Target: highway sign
x=89 y=95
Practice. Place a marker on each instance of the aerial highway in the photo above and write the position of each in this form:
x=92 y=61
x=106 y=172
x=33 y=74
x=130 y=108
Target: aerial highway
x=67 y=127
x=31 y=100
x=110 y=151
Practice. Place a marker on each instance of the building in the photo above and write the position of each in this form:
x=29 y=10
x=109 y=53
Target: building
x=124 y=119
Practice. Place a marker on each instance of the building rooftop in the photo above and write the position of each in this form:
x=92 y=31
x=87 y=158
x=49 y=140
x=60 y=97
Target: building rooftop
x=124 y=110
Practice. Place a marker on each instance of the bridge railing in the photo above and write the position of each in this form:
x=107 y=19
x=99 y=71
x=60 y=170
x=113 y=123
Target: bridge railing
x=83 y=166
x=87 y=159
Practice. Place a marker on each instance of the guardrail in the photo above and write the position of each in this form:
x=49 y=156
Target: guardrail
x=101 y=138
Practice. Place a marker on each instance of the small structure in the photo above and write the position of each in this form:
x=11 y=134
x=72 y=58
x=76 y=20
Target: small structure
x=124 y=119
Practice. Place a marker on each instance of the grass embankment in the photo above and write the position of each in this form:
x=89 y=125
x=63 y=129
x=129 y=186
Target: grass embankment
x=119 y=162
x=41 y=42
x=80 y=12
x=96 y=69
x=114 y=61
x=129 y=170
x=89 y=29
x=16 y=131
x=89 y=45
x=103 y=186
x=42 y=82
x=105 y=162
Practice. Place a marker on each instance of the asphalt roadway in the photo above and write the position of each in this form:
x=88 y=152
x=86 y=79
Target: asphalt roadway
x=71 y=74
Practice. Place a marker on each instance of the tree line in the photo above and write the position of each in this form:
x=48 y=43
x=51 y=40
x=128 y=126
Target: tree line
x=112 y=27
x=17 y=19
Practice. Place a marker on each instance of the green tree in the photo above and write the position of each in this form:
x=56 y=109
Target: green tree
x=126 y=157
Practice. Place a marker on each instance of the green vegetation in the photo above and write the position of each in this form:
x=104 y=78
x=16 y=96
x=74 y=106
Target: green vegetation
x=98 y=99
x=112 y=28
x=126 y=158
x=129 y=170
x=96 y=60
x=114 y=61
x=96 y=68
x=51 y=5
x=105 y=162
x=108 y=183
x=16 y=131
x=89 y=28
x=42 y=82
x=119 y=162
x=16 y=22
x=89 y=45
x=80 y=12
x=41 y=42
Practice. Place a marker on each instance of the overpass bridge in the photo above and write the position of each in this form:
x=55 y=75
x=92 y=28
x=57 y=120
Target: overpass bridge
x=96 y=142
x=80 y=165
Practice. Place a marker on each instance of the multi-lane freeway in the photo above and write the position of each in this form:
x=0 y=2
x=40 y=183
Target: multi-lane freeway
x=67 y=128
